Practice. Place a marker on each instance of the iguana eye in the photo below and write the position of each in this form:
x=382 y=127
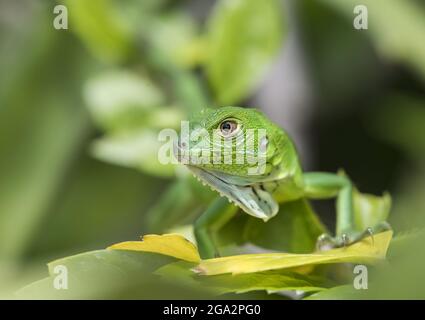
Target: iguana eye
x=227 y=127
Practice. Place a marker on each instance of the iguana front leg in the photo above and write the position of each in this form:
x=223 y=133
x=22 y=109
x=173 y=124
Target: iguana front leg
x=327 y=185
x=219 y=212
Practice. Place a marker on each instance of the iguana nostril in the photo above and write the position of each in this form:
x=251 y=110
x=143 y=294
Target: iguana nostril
x=181 y=144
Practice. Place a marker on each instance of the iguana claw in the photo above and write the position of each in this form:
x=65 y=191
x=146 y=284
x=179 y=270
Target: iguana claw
x=326 y=241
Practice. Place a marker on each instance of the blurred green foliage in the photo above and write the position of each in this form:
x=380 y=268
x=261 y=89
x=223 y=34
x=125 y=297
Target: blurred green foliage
x=242 y=38
x=80 y=111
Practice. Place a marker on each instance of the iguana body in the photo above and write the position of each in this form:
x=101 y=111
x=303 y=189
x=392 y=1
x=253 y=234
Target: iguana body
x=258 y=190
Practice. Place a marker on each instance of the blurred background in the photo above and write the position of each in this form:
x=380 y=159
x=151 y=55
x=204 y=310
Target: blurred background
x=81 y=108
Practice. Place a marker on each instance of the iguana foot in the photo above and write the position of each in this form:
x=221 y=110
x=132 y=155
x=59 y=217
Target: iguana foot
x=326 y=241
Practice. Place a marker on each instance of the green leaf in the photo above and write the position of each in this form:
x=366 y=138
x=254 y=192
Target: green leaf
x=370 y=210
x=134 y=149
x=395 y=26
x=345 y=292
x=270 y=281
x=102 y=29
x=295 y=229
x=109 y=261
x=100 y=273
x=243 y=38
x=121 y=99
x=129 y=107
x=174 y=35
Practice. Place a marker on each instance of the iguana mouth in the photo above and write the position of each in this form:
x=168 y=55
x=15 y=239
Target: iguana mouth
x=252 y=198
x=249 y=195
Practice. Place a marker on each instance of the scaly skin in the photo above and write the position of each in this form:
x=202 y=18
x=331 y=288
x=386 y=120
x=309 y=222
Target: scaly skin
x=256 y=189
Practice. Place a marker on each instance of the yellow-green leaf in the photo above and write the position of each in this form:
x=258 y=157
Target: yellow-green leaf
x=369 y=250
x=168 y=244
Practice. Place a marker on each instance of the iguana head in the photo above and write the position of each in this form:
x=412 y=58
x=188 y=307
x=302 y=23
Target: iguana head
x=239 y=153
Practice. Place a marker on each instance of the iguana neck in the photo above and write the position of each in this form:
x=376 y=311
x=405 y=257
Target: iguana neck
x=288 y=184
x=284 y=190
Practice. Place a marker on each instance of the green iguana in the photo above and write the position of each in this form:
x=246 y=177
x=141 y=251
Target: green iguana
x=257 y=188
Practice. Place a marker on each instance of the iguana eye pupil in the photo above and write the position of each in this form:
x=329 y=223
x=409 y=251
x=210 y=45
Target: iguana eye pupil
x=228 y=126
